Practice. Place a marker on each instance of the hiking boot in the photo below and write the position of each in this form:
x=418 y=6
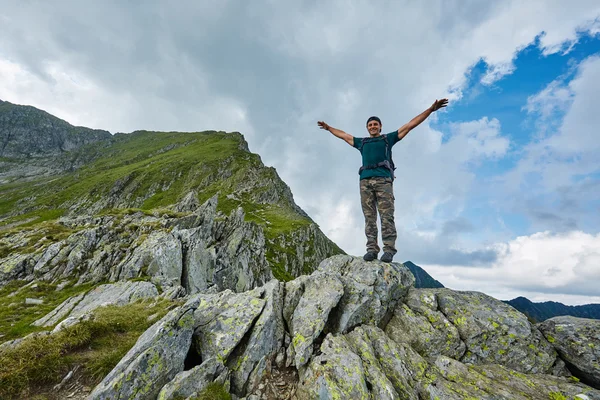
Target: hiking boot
x=370 y=256
x=387 y=257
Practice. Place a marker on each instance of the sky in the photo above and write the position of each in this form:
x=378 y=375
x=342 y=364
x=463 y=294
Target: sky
x=499 y=192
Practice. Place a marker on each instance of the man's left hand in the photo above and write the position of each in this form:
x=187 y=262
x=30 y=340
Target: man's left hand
x=439 y=104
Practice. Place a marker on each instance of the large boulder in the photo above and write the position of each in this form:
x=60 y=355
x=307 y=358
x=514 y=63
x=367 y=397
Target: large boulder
x=316 y=296
x=190 y=383
x=329 y=335
x=577 y=341
x=250 y=362
x=371 y=290
x=496 y=333
x=495 y=382
x=344 y=292
x=419 y=322
x=156 y=358
x=159 y=256
x=222 y=320
x=367 y=364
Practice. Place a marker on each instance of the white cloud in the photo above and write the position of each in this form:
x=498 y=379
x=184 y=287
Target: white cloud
x=542 y=267
x=554 y=179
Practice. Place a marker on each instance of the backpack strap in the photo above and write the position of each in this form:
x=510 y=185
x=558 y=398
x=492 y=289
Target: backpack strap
x=388 y=164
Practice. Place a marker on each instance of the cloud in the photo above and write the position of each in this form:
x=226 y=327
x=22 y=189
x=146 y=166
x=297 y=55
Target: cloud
x=541 y=266
x=555 y=182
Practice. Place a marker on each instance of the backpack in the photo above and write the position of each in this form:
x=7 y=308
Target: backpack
x=388 y=164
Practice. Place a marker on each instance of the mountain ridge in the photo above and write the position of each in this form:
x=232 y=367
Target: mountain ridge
x=541 y=311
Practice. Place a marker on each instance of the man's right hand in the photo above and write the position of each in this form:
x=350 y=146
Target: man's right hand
x=323 y=125
x=337 y=133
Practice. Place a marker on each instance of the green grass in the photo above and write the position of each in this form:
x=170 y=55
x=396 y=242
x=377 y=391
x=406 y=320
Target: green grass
x=213 y=391
x=97 y=345
x=16 y=316
x=36 y=237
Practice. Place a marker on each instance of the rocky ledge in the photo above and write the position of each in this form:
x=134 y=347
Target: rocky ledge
x=351 y=330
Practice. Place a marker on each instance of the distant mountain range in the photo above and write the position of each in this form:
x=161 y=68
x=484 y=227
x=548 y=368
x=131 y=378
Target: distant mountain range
x=536 y=312
x=539 y=312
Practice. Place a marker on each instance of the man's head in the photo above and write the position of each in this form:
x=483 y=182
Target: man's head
x=374 y=126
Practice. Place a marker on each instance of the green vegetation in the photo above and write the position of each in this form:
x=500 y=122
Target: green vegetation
x=97 y=345
x=556 y=396
x=150 y=171
x=43 y=234
x=214 y=391
x=16 y=316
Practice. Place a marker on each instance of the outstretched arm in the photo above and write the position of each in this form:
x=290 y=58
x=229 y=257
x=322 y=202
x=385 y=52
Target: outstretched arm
x=403 y=131
x=337 y=133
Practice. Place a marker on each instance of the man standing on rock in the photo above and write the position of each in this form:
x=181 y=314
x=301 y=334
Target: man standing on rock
x=377 y=176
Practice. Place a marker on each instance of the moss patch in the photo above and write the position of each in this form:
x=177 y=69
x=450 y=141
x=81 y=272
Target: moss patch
x=213 y=391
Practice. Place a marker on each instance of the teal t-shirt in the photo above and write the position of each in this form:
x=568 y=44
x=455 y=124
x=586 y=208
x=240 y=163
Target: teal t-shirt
x=373 y=152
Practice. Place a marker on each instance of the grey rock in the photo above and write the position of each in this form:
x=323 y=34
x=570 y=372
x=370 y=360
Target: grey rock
x=498 y=382
x=419 y=323
x=266 y=338
x=189 y=203
x=70 y=321
x=159 y=256
x=27 y=132
x=495 y=332
x=337 y=373
x=59 y=312
x=174 y=292
x=577 y=341
x=322 y=292
x=371 y=290
x=119 y=294
x=191 y=383
x=156 y=358
x=15 y=266
x=29 y=300
x=405 y=369
x=222 y=320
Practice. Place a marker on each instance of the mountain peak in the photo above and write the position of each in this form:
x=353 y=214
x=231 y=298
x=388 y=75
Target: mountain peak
x=422 y=278
x=26 y=132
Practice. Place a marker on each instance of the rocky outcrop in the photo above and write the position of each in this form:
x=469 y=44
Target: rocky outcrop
x=199 y=251
x=473 y=328
x=335 y=334
x=577 y=340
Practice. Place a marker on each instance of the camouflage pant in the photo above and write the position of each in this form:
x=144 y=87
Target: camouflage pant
x=378 y=193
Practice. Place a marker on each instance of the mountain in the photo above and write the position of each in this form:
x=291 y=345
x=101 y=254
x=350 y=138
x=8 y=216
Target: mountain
x=51 y=170
x=422 y=279
x=539 y=312
x=171 y=265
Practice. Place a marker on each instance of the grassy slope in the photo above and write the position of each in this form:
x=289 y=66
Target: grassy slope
x=156 y=170
x=98 y=345
x=166 y=166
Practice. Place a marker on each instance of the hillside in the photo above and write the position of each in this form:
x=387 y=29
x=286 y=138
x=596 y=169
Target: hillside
x=94 y=174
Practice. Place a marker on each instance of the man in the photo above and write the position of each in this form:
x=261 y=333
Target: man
x=377 y=176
